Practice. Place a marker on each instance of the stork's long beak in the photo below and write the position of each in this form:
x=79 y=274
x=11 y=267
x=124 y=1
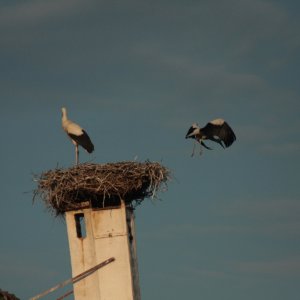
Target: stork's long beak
x=190 y=135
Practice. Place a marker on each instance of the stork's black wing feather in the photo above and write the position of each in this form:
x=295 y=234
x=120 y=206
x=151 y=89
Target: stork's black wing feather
x=205 y=146
x=219 y=132
x=83 y=140
x=226 y=134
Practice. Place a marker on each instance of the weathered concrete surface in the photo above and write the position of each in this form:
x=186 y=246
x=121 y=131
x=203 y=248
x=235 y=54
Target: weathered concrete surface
x=109 y=233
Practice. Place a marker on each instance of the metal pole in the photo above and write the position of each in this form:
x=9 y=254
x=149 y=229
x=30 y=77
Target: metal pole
x=74 y=279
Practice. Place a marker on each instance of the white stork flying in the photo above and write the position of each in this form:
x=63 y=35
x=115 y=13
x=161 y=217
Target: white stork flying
x=216 y=130
x=77 y=135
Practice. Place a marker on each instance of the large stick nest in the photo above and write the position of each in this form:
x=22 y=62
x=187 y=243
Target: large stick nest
x=100 y=185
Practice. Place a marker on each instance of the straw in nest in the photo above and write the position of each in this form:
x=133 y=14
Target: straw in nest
x=100 y=184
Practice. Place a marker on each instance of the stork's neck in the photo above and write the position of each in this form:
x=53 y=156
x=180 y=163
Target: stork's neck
x=64 y=118
x=64 y=115
x=198 y=131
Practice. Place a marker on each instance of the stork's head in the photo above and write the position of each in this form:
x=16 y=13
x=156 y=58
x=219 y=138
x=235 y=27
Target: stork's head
x=64 y=112
x=193 y=131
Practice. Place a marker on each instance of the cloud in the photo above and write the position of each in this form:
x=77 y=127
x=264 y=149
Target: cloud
x=197 y=73
x=281 y=148
x=197 y=273
x=174 y=231
x=31 y=12
x=277 y=218
x=275 y=128
x=289 y=266
x=29 y=273
x=226 y=269
x=238 y=27
x=272 y=218
x=283 y=208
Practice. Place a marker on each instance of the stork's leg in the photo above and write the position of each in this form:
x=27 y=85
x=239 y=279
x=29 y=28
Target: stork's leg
x=193 y=148
x=201 y=148
x=76 y=154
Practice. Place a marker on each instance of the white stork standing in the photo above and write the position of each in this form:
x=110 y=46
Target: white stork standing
x=77 y=135
x=216 y=130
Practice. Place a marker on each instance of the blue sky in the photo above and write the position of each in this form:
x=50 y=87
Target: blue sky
x=136 y=75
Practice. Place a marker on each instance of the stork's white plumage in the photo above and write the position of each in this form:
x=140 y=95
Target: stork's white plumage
x=216 y=130
x=77 y=135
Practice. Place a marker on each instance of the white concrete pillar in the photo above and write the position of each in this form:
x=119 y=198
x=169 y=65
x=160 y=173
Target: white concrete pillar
x=109 y=233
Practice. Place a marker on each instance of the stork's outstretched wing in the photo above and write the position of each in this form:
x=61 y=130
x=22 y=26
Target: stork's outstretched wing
x=220 y=132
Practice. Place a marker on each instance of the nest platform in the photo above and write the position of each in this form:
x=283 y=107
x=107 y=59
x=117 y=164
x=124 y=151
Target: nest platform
x=100 y=185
